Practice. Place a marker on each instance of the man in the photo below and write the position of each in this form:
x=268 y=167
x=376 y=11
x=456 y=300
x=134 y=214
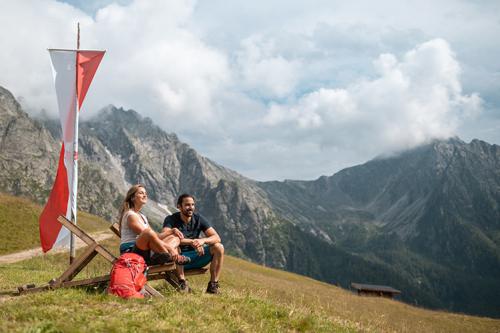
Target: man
x=187 y=225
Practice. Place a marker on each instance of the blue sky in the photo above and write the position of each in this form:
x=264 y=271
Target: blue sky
x=274 y=89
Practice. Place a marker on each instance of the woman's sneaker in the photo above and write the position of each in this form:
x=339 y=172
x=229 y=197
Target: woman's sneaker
x=165 y=258
x=213 y=287
x=160 y=259
x=182 y=260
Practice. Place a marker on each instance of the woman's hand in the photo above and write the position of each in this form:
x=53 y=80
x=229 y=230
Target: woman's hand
x=173 y=253
x=178 y=233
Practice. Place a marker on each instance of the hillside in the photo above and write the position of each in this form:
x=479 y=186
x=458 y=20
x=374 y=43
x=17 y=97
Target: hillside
x=425 y=221
x=254 y=298
x=19 y=223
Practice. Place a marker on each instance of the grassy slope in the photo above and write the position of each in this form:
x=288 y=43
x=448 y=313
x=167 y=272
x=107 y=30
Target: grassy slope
x=19 y=218
x=254 y=298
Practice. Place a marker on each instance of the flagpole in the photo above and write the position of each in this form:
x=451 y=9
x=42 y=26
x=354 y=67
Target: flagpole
x=74 y=190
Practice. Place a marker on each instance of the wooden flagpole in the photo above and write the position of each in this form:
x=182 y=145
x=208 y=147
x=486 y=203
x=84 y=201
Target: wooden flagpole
x=72 y=247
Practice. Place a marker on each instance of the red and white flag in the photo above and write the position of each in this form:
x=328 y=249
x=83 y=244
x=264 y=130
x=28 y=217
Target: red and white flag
x=73 y=72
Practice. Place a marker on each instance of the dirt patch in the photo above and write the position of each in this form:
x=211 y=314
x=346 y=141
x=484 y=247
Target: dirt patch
x=27 y=254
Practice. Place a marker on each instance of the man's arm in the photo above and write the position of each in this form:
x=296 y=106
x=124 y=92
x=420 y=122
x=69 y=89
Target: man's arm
x=212 y=237
x=197 y=244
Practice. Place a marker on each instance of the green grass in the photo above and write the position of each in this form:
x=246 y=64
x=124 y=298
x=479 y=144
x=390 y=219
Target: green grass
x=244 y=306
x=254 y=299
x=19 y=223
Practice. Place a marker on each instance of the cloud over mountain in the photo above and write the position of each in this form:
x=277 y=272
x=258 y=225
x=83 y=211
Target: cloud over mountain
x=411 y=101
x=294 y=95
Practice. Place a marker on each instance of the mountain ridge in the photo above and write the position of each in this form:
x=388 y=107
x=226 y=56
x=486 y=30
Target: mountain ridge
x=387 y=221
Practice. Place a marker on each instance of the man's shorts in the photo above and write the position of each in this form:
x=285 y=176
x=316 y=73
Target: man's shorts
x=196 y=260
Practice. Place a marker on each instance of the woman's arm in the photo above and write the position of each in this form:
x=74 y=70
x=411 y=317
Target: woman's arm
x=170 y=231
x=135 y=223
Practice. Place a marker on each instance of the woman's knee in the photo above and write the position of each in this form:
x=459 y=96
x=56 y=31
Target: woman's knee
x=147 y=233
x=172 y=240
x=145 y=237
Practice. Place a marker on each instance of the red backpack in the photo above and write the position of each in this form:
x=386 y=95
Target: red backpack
x=127 y=276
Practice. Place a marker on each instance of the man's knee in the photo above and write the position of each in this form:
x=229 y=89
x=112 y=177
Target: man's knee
x=217 y=248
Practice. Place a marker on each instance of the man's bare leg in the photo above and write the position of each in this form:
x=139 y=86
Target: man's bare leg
x=217 y=251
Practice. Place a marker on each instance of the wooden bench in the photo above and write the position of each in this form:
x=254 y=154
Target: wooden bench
x=165 y=271
x=160 y=271
x=375 y=290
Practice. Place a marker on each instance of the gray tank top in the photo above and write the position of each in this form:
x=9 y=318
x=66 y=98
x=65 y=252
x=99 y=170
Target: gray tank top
x=128 y=235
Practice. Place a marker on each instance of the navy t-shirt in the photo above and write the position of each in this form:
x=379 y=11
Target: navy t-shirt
x=191 y=230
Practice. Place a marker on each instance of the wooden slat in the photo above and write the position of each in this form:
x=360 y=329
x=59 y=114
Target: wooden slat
x=116 y=229
x=86 y=282
x=152 y=291
x=105 y=253
x=161 y=268
x=172 y=279
x=76 y=230
x=31 y=290
x=77 y=265
x=171 y=267
x=153 y=277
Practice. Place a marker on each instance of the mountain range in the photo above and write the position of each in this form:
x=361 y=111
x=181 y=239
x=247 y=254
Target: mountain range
x=425 y=221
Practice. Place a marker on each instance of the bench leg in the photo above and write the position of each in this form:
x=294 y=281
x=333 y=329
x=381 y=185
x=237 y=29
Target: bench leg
x=171 y=278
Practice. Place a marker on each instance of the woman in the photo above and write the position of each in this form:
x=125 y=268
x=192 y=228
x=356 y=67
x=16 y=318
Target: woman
x=138 y=237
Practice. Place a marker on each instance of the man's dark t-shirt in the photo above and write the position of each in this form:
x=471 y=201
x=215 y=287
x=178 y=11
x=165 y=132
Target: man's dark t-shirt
x=191 y=230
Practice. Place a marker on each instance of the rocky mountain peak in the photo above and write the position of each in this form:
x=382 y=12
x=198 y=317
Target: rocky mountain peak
x=113 y=118
x=428 y=214
x=9 y=106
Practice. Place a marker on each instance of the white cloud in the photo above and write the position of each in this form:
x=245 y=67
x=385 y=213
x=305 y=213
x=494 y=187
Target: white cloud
x=164 y=70
x=152 y=64
x=282 y=89
x=413 y=100
x=264 y=70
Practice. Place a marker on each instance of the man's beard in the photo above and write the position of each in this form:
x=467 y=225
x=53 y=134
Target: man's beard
x=187 y=213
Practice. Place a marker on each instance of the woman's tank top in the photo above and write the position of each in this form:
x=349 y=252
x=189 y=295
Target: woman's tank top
x=128 y=235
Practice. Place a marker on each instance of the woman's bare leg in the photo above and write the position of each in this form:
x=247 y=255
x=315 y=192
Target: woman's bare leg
x=149 y=240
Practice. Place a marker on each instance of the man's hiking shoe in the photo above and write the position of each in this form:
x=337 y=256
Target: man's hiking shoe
x=213 y=287
x=183 y=287
x=160 y=258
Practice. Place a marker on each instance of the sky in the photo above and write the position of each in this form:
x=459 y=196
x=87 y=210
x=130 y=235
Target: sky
x=273 y=89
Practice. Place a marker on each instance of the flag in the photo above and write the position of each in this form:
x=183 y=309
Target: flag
x=73 y=72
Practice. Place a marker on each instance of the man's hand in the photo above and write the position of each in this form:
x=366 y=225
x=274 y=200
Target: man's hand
x=178 y=233
x=198 y=242
x=200 y=250
x=198 y=246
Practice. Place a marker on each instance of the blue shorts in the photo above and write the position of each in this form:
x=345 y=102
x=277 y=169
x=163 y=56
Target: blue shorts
x=126 y=247
x=130 y=247
x=196 y=260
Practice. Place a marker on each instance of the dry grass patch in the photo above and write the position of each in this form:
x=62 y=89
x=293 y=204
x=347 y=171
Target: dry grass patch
x=19 y=223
